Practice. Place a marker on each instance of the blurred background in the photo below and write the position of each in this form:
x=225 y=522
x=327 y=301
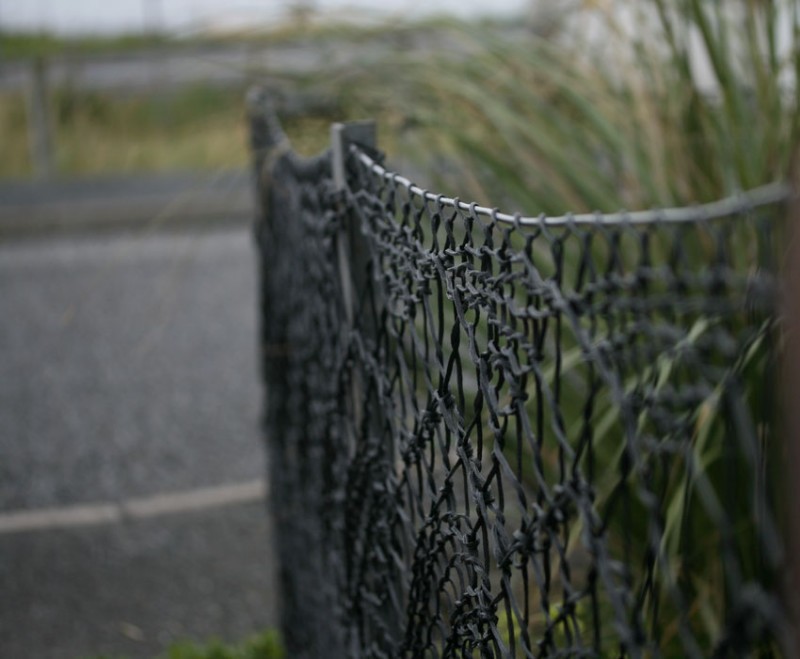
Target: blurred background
x=131 y=470
x=155 y=85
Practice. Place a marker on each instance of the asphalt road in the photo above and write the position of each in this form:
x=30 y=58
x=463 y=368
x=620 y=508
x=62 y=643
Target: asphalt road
x=232 y=64
x=237 y=64
x=128 y=369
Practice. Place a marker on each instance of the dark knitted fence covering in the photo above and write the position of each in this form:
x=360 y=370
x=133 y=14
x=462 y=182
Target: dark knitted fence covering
x=499 y=436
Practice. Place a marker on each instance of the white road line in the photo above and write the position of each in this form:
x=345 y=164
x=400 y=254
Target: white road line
x=45 y=519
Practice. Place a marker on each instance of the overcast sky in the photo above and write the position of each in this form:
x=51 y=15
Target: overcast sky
x=182 y=15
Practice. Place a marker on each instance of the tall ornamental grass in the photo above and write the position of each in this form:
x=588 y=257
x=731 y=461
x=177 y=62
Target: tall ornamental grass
x=636 y=104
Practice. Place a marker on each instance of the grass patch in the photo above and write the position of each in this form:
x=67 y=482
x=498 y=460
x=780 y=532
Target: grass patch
x=267 y=645
x=264 y=646
x=197 y=129
x=94 y=133
x=566 y=124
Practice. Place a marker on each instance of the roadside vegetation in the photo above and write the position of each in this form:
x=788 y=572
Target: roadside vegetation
x=98 y=133
x=266 y=645
x=195 y=128
x=538 y=119
x=263 y=646
x=668 y=103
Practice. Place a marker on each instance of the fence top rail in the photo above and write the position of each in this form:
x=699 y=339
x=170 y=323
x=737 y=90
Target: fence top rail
x=736 y=204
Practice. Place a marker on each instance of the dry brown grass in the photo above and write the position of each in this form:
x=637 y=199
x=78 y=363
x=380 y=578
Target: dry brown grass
x=196 y=129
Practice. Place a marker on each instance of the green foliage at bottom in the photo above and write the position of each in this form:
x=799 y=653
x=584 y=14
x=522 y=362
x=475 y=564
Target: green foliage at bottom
x=263 y=646
x=267 y=645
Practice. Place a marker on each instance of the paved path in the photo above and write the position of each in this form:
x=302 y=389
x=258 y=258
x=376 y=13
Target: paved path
x=231 y=64
x=128 y=372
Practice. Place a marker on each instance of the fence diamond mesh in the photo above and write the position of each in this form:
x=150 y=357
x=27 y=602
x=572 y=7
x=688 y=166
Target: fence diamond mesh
x=499 y=436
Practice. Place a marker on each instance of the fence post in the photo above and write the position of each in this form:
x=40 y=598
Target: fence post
x=267 y=142
x=351 y=250
x=354 y=270
x=39 y=122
